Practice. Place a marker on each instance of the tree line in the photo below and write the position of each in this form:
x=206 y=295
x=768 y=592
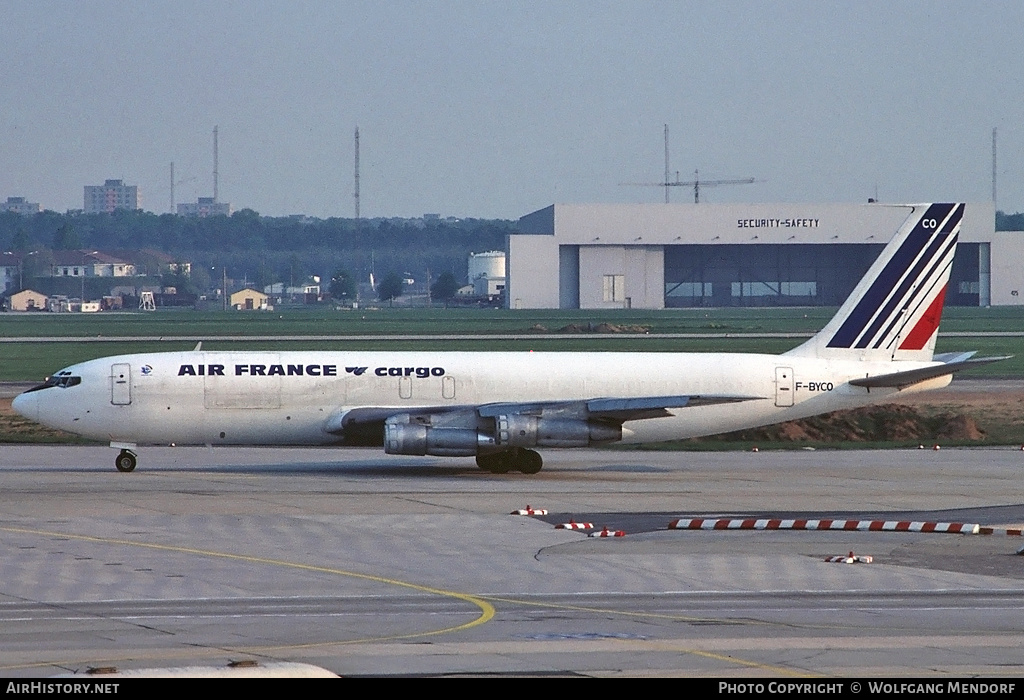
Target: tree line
x=1009 y=222
x=264 y=250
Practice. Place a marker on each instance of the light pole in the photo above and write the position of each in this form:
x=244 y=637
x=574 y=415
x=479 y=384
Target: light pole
x=85 y=254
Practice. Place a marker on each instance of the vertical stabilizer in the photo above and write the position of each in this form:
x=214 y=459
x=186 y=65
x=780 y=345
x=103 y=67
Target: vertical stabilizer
x=893 y=313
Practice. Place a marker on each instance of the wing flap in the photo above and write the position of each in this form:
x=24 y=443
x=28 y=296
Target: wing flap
x=612 y=408
x=655 y=406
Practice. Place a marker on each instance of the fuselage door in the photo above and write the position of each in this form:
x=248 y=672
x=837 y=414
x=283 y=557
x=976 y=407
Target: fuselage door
x=783 y=386
x=121 y=384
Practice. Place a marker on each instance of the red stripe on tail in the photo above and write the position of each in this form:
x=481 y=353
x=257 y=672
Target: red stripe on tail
x=928 y=324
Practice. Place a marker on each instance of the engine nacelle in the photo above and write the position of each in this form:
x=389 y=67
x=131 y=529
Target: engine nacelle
x=403 y=437
x=515 y=430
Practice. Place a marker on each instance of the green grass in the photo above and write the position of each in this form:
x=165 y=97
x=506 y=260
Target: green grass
x=371 y=321
x=368 y=321
x=323 y=321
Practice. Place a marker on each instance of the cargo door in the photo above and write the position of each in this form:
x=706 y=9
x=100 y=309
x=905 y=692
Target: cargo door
x=121 y=384
x=783 y=386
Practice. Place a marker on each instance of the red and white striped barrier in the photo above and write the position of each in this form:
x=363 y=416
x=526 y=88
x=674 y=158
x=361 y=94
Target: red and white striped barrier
x=850 y=558
x=573 y=525
x=529 y=510
x=1012 y=532
x=605 y=532
x=800 y=524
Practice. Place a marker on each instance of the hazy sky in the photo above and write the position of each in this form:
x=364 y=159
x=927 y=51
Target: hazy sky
x=493 y=108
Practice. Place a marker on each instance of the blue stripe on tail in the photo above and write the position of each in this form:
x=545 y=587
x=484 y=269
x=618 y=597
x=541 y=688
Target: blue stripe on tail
x=921 y=237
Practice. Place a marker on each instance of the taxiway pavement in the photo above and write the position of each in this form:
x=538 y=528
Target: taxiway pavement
x=368 y=564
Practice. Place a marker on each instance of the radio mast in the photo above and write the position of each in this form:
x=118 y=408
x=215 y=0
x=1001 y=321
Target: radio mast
x=993 y=166
x=215 y=177
x=666 y=164
x=357 y=175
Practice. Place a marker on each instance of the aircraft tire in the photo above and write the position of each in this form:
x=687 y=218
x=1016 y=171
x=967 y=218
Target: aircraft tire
x=126 y=461
x=530 y=462
x=503 y=463
x=515 y=459
x=497 y=463
x=490 y=462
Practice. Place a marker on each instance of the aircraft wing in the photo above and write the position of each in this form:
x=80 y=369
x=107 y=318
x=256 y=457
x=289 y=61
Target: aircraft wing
x=899 y=380
x=610 y=409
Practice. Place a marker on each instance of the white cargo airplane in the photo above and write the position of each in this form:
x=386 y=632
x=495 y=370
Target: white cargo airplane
x=497 y=406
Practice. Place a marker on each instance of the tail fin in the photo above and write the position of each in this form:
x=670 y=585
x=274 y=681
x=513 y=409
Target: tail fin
x=893 y=313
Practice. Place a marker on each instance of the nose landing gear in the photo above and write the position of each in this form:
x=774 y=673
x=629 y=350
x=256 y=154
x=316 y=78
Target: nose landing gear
x=126 y=461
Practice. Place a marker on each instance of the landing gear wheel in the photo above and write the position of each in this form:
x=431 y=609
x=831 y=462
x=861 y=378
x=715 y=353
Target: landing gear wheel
x=513 y=459
x=126 y=461
x=497 y=463
x=530 y=462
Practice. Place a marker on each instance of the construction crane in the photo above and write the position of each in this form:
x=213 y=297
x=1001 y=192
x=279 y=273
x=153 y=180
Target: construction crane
x=177 y=182
x=696 y=183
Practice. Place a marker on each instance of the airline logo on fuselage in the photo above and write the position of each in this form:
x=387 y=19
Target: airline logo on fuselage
x=255 y=370
x=302 y=370
x=421 y=372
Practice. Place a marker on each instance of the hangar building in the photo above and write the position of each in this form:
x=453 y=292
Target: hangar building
x=653 y=256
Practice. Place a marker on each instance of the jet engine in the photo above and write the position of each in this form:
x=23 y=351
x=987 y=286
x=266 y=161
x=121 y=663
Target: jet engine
x=406 y=434
x=517 y=430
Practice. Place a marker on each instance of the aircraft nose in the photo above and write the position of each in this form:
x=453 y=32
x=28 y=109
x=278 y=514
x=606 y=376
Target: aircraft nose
x=26 y=405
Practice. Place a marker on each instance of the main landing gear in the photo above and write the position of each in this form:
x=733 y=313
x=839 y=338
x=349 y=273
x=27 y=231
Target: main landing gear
x=514 y=459
x=126 y=461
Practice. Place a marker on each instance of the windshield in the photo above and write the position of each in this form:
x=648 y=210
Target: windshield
x=62 y=379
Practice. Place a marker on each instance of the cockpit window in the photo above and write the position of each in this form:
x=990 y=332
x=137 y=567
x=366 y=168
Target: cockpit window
x=62 y=379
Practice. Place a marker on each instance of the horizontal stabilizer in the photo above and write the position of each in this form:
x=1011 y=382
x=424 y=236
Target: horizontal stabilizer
x=900 y=380
x=948 y=357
